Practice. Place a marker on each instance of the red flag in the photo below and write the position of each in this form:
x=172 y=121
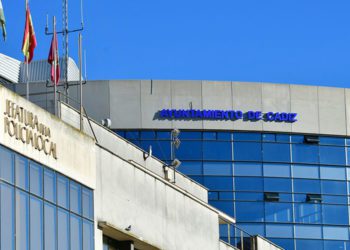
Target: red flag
x=29 y=40
x=53 y=59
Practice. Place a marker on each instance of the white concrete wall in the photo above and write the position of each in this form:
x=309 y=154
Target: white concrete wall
x=75 y=150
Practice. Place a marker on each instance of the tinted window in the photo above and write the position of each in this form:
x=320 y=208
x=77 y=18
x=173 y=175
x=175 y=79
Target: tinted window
x=36 y=179
x=335 y=233
x=308 y=232
x=279 y=231
x=248 y=184
x=307 y=186
x=304 y=153
x=278 y=212
x=6 y=165
x=276 y=152
x=50 y=185
x=217 y=168
x=308 y=213
x=191 y=167
x=335 y=214
x=332 y=155
x=249 y=211
x=306 y=171
x=334 y=187
x=277 y=185
x=22 y=172
x=247 y=169
x=7 y=217
x=333 y=173
x=247 y=151
x=276 y=170
x=217 y=150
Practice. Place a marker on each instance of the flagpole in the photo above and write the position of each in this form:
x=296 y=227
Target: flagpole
x=55 y=66
x=80 y=83
x=27 y=68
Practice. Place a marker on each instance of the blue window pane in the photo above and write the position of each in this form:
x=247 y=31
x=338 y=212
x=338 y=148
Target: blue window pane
x=7 y=217
x=277 y=185
x=36 y=223
x=333 y=173
x=309 y=244
x=279 y=231
x=226 y=196
x=218 y=183
x=305 y=171
x=49 y=185
x=76 y=233
x=213 y=195
x=297 y=139
x=276 y=152
x=135 y=135
x=307 y=186
x=160 y=149
x=335 y=233
x=198 y=179
x=285 y=197
x=75 y=197
x=63 y=229
x=278 y=212
x=247 y=169
x=332 y=155
x=88 y=235
x=88 y=204
x=190 y=135
x=50 y=226
x=253 y=229
x=249 y=211
x=246 y=136
x=304 y=153
x=287 y=244
x=334 y=187
x=224 y=136
x=120 y=133
x=145 y=135
x=276 y=170
x=191 y=168
x=209 y=135
x=22 y=172
x=269 y=137
x=217 y=168
x=245 y=196
x=189 y=150
x=335 y=214
x=22 y=220
x=325 y=140
x=36 y=179
x=308 y=213
x=62 y=191
x=248 y=184
x=165 y=135
x=335 y=244
x=6 y=165
x=282 y=138
x=308 y=232
x=247 y=151
x=334 y=199
x=217 y=150
x=224 y=206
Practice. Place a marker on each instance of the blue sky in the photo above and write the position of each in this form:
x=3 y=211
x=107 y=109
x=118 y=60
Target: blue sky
x=283 y=41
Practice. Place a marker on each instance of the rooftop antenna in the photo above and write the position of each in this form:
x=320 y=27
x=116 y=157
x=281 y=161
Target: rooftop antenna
x=65 y=32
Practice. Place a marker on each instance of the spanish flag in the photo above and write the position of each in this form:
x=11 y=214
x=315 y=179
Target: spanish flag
x=29 y=40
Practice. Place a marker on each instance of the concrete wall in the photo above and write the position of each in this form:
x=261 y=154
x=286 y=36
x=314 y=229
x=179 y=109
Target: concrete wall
x=75 y=150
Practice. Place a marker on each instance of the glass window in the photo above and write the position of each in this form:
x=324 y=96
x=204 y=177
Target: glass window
x=217 y=168
x=190 y=135
x=307 y=186
x=145 y=135
x=62 y=191
x=249 y=211
x=332 y=155
x=224 y=136
x=276 y=170
x=36 y=179
x=247 y=169
x=248 y=184
x=135 y=135
x=209 y=135
x=22 y=172
x=309 y=244
x=6 y=165
x=213 y=195
x=76 y=233
x=160 y=149
x=252 y=228
x=247 y=151
x=189 y=150
x=334 y=187
x=277 y=185
x=333 y=173
x=63 y=229
x=326 y=140
x=304 y=153
x=49 y=185
x=282 y=138
x=279 y=231
x=335 y=233
x=217 y=150
x=297 y=138
x=306 y=171
x=22 y=220
x=269 y=137
x=75 y=197
x=246 y=136
x=226 y=196
x=191 y=167
x=335 y=244
x=88 y=205
x=285 y=243
x=248 y=196
x=334 y=199
x=308 y=213
x=50 y=226
x=225 y=206
x=88 y=235
x=276 y=152
x=7 y=217
x=278 y=212
x=165 y=135
x=308 y=232
x=335 y=214
x=218 y=183
x=36 y=223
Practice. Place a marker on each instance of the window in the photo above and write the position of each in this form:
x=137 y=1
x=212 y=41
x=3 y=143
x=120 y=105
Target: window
x=50 y=226
x=218 y=183
x=278 y=212
x=6 y=165
x=36 y=179
x=161 y=149
x=277 y=185
x=249 y=211
x=225 y=206
x=62 y=191
x=63 y=229
x=22 y=220
x=335 y=214
x=22 y=172
x=332 y=155
x=49 y=185
x=7 y=217
x=306 y=171
x=246 y=136
x=305 y=153
x=75 y=197
x=88 y=232
x=217 y=168
x=333 y=173
x=248 y=184
x=308 y=213
x=189 y=150
x=191 y=167
x=279 y=231
x=309 y=244
x=76 y=233
x=276 y=152
x=325 y=140
x=307 y=186
x=276 y=170
x=334 y=187
x=88 y=206
x=247 y=151
x=335 y=233
x=36 y=223
x=247 y=169
x=217 y=150
x=308 y=232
